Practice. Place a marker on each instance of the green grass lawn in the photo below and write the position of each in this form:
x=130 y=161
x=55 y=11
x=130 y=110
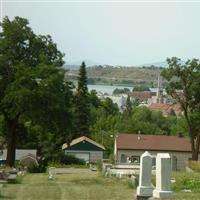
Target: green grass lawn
x=68 y=187
x=87 y=186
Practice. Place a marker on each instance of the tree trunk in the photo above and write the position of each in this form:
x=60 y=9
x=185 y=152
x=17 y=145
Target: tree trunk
x=192 y=142
x=11 y=142
x=197 y=144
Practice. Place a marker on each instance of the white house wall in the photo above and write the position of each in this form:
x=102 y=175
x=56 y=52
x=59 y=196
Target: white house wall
x=182 y=157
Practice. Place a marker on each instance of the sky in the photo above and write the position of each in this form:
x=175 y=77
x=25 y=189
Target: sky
x=115 y=33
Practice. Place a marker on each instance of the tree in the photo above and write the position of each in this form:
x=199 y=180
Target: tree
x=128 y=110
x=82 y=107
x=141 y=88
x=94 y=100
x=184 y=81
x=31 y=82
x=109 y=108
x=121 y=91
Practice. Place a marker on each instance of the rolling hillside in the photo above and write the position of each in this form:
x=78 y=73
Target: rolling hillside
x=120 y=75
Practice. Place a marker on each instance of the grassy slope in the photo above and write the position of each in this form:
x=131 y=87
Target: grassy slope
x=75 y=187
x=128 y=73
x=113 y=75
x=68 y=187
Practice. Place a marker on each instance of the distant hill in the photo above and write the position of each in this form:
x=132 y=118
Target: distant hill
x=156 y=64
x=71 y=67
x=76 y=64
x=120 y=75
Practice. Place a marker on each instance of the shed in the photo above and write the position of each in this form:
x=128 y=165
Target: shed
x=84 y=148
x=19 y=154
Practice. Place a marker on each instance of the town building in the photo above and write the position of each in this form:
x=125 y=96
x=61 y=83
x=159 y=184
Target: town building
x=141 y=96
x=129 y=147
x=166 y=108
x=20 y=154
x=84 y=148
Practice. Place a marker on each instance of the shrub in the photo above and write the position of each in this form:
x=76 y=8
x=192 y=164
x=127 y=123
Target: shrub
x=131 y=184
x=32 y=168
x=99 y=164
x=188 y=181
x=194 y=165
x=60 y=165
x=18 y=180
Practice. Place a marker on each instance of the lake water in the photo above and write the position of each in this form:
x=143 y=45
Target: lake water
x=110 y=88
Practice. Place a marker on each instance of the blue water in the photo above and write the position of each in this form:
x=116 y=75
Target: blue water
x=110 y=88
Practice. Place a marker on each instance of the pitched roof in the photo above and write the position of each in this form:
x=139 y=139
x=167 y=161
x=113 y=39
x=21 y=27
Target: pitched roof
x=165 y=107
x=153 y=142
x=142 y=94
x=83 y=138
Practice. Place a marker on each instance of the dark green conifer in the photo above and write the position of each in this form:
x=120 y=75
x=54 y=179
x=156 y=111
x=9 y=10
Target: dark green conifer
x=82 y=107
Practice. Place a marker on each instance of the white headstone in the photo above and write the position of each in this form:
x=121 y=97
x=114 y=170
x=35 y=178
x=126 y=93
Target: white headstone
x=133 y=180
x=163 y=172
x=145 y=189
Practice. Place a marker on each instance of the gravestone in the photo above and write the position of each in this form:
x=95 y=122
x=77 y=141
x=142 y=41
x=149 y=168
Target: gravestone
x=133 y=180
x=163 y=171
x=145 y=190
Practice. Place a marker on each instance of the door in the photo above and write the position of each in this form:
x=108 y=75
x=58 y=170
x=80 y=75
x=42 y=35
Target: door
x=84 y=156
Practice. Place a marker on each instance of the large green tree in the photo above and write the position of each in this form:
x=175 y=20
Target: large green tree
x=184 y=82
x=82 y=104
x=32 y=86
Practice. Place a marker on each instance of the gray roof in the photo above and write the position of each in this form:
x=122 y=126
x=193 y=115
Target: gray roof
x=20 y=153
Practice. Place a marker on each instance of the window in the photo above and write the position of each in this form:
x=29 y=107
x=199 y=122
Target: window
x=123 y=158
x=135 y=159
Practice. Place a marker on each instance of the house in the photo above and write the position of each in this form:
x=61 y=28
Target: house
x=84 y=148
x=19 y=154
x=129 y=147
x=166 y=109
x=141 y=96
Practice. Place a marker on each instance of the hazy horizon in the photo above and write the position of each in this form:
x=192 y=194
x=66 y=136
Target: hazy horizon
x=128 y=34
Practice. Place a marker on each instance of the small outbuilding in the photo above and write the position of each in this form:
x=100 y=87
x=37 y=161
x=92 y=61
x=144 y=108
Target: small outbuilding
x=84 y=148
x=19 y=154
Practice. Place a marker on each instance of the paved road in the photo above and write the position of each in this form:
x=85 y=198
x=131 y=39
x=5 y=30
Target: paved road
x=70 y=170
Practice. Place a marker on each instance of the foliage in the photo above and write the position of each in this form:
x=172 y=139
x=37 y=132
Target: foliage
x=141 y=88
x=194 y=165
x=19 y=179
x=93 y=99
x=32 y=87
x=129 y=108
x=121 y=91
x=133 y=120
x=184 y=80
x=41 y=168
x=99 y=164
x=186 y=181
x=82 y=106
x=130 y=183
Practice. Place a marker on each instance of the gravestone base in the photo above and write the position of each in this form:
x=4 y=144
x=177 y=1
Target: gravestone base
x=143 y=191
x=162 y=194
x=136 y=197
